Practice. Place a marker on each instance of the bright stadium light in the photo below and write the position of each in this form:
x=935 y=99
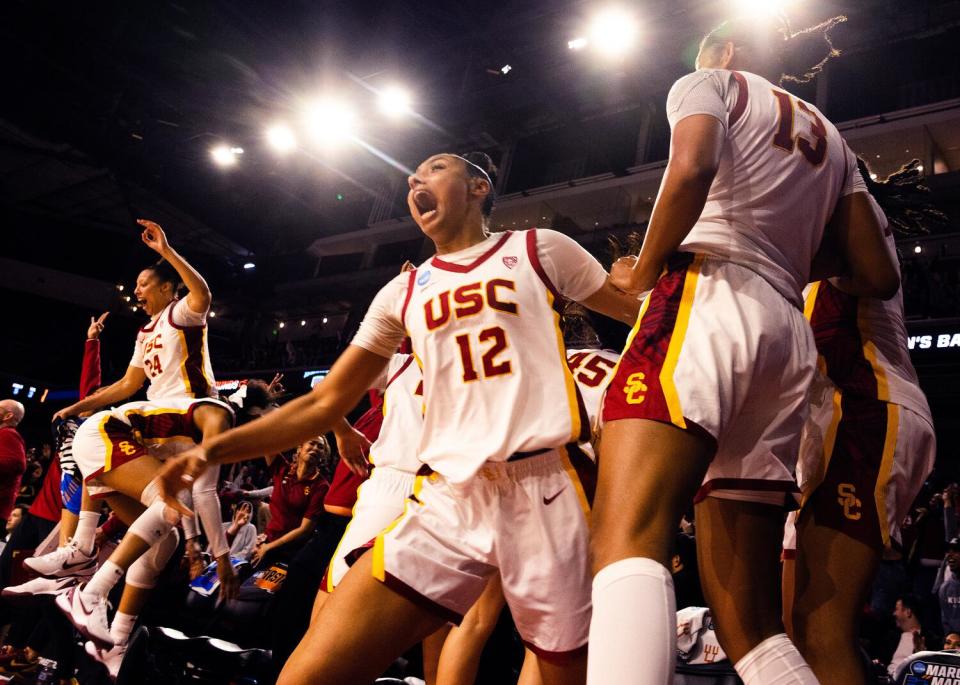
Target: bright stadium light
x=281 y=138
x=578 y=43
x=761 y=8
x=249 y=265
x=329 y=122
x=613 y=32
x=213 y=314
x=225 y=156
x=394 y=101
x=282 y=324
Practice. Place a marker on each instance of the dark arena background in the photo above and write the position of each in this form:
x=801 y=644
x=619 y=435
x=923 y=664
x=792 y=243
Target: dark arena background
x=272 y=142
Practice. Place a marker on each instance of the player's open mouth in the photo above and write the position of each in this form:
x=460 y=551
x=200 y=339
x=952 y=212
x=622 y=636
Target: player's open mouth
x=425 y=203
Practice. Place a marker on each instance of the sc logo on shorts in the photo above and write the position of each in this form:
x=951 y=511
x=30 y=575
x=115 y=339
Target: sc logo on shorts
x=635 y=389
x=848 y=500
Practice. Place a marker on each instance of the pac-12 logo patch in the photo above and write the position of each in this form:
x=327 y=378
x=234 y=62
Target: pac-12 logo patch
x=510 y=262
x=423 y=278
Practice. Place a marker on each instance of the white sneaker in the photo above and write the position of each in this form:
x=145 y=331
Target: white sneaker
x=111 y=658
x=63 y=561
x=40 y=586
x=87 y=615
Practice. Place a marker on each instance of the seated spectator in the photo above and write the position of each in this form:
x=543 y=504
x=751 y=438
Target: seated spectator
x=241 y=534
x=947 y=588
x=296 y=501
x=951 y=641
x=907 y=615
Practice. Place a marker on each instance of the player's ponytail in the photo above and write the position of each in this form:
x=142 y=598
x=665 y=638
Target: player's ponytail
x=772 y=49
x=165 y=273
x=904 y=199
x=479 y=165
x=805 y=53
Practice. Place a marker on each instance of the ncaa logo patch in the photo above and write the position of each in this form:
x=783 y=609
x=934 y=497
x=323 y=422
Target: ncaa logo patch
x=918 y=668
x=510 y=262
x=423 y=278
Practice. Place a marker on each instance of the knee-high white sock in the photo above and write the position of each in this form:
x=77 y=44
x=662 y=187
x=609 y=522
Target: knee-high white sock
x=86 y=530
x=775 y=661
x=633 y=632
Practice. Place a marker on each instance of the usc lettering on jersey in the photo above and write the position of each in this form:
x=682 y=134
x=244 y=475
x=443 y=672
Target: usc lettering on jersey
x=495 y=376
x=175 y=357
x=782 y=169
x=399 y=440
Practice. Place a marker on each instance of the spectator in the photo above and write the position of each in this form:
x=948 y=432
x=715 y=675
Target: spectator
x=13 y=457
x=952 y=641
x=947 y=588
x=297 y=499
x=16 y=516
x=906 y=614
x=241 y=534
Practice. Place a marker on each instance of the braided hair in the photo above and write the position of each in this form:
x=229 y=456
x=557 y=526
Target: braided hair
x=904 y=199
x=794 y=56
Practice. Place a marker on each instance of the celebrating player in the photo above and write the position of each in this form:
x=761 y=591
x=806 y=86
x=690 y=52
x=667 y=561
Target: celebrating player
x=867 y=448
x=498 y=491
x=710 y=394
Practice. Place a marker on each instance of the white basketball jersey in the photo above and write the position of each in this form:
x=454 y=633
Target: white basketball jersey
x=174 y=358
x=782 y=169
x=592 y=370
x=399 y=439
x=495 y=377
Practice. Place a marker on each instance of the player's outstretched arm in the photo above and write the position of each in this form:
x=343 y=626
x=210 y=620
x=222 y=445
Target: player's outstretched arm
x=198 y=292
x=132 y=381
x=299 y=420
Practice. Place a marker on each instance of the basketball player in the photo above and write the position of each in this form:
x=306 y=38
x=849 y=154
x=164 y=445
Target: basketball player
x=171 y=353
x=866 y=450
x=119 y=452
x=498 y=493
x=710 y=395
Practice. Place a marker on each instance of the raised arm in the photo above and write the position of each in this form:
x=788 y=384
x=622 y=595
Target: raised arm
x=198 y=295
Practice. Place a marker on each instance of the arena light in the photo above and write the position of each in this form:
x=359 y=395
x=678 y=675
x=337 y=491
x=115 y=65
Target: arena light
x=394 y=102
x=249 y=265
x=225 y=156
x=324 y=320
x=120 y=287
x=282 y=324
x=506 y=69
x=578 y=43
x=302 y=322
x=213 y=314
x=917 y=249
x=329 y=122
x=760 y=8
x=613 y=32
x=281 y=138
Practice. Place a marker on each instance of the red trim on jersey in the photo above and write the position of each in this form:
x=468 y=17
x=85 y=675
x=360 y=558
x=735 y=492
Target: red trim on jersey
x=743 y=95
x=759 y=484
x=559 y=658
x=586 y=470
x=406 y=300
x=788 y=555
x=150 y=325
x=538 y=268
x=193 y=364
x=416 y=597
x=178 y=326
x=465 y=268
x=400 y=371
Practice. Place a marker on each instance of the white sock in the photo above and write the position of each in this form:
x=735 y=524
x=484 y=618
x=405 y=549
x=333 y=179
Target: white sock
x=633 y=632
x=108 y=575
x=121 y=627
x=86 y=531
x=775 y=661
